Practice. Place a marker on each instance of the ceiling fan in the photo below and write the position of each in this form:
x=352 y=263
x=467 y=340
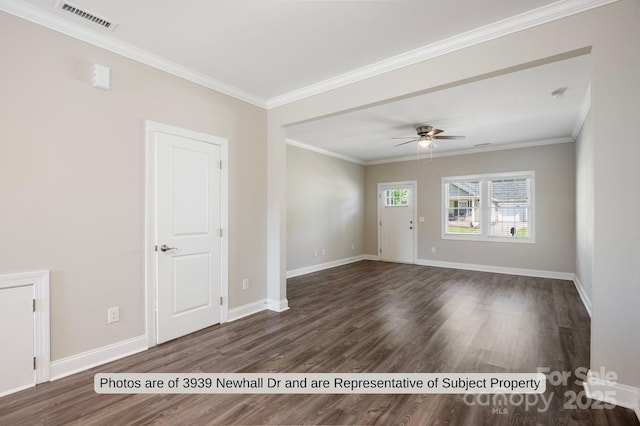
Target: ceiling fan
x=426 y=137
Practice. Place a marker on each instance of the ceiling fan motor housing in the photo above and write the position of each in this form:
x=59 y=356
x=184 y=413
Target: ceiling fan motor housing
x=424 y=130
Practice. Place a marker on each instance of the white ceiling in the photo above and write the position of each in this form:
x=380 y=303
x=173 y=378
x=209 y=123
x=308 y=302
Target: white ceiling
x=269 y=48
x=510 y=110
x=270 y=52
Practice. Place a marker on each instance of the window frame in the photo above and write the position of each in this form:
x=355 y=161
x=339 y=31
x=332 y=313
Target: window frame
x=457 y=207
x=486 y=207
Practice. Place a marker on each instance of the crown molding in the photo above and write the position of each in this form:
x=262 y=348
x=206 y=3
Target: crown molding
x=502 y=147
x=490 y=148
x=542 y=15
x=49 y=20
x=301 y=145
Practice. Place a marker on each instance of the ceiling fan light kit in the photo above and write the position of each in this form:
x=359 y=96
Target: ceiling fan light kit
x=424 y=141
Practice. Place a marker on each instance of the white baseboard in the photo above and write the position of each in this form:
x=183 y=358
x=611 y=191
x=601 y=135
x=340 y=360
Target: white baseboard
x=18 y=389
x=604 y=390
x=248 y=309
x=83 y=361
x=586 y=301
x=498 y=269
x=277 y=305
x=322 y=266
x=259 y=306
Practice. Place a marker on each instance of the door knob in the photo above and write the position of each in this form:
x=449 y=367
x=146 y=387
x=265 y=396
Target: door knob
x=165 y=247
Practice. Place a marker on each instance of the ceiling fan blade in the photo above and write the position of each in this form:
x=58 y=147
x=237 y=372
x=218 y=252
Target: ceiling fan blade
x=404 y=143
x=449 y=137
x=434 y=132
x=404 y=137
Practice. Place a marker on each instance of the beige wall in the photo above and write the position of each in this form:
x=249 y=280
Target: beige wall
x=615 y=287
x=554 y=207
x=332 y=204
x=72 y=178
x=325 y=208
x=584 y=206
x=611 y=33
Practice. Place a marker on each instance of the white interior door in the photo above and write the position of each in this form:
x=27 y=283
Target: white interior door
x=189 y=250
x=397 y=222
x=16 y=329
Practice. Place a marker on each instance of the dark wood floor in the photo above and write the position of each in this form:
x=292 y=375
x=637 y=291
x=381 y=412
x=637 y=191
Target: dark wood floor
x=363 y=317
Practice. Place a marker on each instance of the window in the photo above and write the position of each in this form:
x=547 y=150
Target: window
x=396 y=198
x=496 y=207
x=509 y=207
x=463 y=207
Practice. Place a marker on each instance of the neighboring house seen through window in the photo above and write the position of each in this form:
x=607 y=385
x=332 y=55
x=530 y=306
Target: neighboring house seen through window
x=494 y=207
x=463 y=207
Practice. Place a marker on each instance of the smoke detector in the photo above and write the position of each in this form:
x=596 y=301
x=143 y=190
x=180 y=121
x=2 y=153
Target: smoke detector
x=86 y=16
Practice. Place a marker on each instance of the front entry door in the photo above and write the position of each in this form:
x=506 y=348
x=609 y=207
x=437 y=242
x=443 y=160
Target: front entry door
x=188 y=235
x=397 y=222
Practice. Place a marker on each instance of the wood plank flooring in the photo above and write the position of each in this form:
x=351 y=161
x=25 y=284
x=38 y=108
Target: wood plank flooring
x=364 y=317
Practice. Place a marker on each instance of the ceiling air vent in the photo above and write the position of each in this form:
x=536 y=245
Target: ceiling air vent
x=86 y=15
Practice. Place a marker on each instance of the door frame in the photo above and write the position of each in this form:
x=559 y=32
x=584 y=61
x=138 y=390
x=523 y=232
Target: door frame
x=150 y=238
x=415 y=211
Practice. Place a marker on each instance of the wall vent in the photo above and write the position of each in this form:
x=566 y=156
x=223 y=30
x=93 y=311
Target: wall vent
x=86 y=15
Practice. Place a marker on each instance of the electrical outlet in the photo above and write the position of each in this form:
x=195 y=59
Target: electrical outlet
x=245 y=284
x=324 y=252
x=113 y=314
x=315 y=253
x=353 y=246
x=433 y=249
